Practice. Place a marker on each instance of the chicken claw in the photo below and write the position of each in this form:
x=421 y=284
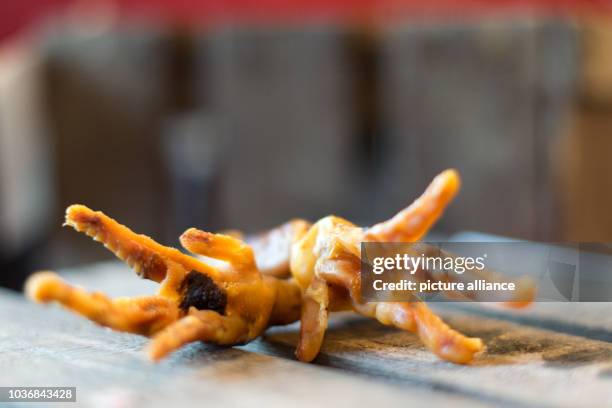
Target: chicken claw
x=298 y=271
x=329 y=254
x=196 y=300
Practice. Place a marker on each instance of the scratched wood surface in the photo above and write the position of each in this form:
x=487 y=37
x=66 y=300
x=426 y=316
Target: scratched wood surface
x=361 y=364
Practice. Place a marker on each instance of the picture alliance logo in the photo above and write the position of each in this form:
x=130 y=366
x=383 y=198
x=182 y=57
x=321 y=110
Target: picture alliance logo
x=411 y=264
x=429 y=270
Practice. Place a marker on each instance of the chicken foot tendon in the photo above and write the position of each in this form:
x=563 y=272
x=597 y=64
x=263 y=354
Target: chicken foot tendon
x=299 y=271
x=196 y=301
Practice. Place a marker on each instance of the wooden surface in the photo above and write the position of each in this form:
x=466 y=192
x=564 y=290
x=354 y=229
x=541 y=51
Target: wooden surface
x=361 y=364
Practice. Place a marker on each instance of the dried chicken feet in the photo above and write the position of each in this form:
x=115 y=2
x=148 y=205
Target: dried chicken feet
x=297 y=271
x=196 y=301
x=330 y=252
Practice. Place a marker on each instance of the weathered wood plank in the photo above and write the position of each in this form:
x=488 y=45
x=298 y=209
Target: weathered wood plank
x=523 y=366
x=53 y=348
x=587 y=319
x=590 y=319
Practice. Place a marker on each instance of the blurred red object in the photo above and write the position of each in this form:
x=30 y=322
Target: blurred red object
x=16 y=15
x=297 y=10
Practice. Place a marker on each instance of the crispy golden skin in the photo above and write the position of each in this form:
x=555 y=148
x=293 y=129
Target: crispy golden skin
x=202 y=301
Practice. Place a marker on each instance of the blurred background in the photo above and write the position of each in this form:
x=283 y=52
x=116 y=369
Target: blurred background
x=243 y=114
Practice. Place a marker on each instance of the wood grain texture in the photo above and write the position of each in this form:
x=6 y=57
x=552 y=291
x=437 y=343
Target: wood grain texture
x=362 y=363
x=52 y=347
x=519 y=365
